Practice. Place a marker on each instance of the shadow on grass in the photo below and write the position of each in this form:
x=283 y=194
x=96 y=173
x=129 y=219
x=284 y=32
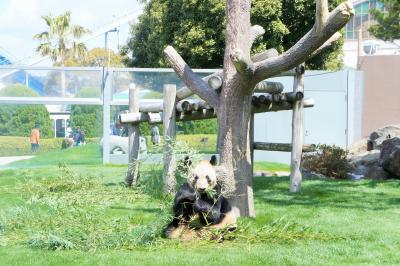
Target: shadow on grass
x=320 y=193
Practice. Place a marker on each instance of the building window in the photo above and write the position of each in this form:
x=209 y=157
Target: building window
x=362 y=19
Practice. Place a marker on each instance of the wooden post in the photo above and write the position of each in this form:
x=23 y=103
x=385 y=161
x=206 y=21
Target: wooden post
x=297 y=133
x=169 y=123
x=134 y=140
x=252 y=143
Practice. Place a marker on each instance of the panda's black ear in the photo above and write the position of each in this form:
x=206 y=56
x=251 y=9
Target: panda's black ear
x=187 y=162
x=213 y=160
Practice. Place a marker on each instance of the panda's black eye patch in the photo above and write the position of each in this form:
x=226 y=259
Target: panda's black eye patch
x=208 y=179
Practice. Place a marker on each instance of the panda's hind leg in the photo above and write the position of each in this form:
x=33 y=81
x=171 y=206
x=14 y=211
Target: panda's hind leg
x=229 y=221
x=182 y=232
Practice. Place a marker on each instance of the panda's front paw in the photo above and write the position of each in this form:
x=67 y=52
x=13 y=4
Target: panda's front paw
x=201 y=206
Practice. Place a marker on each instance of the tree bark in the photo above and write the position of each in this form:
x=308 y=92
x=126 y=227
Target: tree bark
x=234 y=111
x=169 y=132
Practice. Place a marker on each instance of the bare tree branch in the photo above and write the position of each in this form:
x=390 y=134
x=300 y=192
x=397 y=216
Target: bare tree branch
x=310 y=42
x=242 y=62
x=256 y=32
x=192 y=81
x=321 y=13
x=185 y=92
x=265 y=55
x=327 y=44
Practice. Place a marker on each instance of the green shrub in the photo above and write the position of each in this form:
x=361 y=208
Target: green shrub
x=207 y=126
x=14 y=146
x=88 y=118
x=18 y=120
x=328 y=160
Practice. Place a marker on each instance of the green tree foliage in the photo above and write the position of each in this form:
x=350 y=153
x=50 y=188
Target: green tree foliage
x=207 y=126
x=59 y=41
x=97 y=57
x=196 y=30
x=388 y=26
x=87 y=117
x=17 y=120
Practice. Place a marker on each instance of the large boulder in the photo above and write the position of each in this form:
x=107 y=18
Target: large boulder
x=381 y=134
x=390 y=156
x=366 y=165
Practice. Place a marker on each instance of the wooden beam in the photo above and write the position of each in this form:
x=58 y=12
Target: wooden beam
x=132 y=174
x=297 y=133
x=208 y=113
x=283 y=147
x=269 y=87
x=169 y=132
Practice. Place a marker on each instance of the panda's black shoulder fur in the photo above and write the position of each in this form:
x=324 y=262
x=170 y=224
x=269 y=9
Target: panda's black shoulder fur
x=211 y=207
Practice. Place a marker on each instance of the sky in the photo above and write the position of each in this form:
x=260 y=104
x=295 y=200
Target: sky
x=21 y=19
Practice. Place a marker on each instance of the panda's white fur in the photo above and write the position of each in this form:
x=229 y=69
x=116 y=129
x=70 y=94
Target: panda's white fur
x=203 y=176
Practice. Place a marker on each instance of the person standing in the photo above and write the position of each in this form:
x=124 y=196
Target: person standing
x=35 y=137
x=155 y=135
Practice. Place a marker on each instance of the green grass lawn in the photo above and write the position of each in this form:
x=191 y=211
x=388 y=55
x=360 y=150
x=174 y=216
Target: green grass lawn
x=87 y=209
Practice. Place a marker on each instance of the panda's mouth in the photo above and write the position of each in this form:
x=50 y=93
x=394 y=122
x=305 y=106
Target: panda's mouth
x=201 y=190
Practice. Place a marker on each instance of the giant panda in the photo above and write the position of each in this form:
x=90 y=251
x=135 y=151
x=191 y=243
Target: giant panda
x=200 y=199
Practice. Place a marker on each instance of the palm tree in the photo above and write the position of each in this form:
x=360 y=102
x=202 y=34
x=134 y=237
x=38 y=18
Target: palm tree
x=60 y=41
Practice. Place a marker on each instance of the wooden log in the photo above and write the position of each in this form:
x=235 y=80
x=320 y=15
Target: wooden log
x=210 y=113
x=183 y=106
x=132 y=174
x=283 y=147
x=255 y=101
x=151 y=107
x=265 y=99
x=293 y=96
x=215 y=82
x=185 y=92
x=169 y=132
x=269 y=87
x=297 y=133
x=276 y=98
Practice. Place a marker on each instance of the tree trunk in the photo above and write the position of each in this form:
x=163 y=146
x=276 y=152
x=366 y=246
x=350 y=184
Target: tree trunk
x=234 y=126
x=234 y=112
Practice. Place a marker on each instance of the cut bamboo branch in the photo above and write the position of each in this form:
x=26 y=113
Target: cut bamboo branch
x=191 y=80
x=283 y=147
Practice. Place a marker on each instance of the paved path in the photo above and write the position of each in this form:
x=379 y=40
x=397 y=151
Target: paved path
x=10 y=159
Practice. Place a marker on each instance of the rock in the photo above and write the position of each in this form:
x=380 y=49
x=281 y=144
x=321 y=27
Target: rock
x=390 y=156
x=262 y=173
x=377 y=137
x=353 y=176
x=311 y=174
x=281 y=173
x=365 y=159
x=358 y=147
x=376 y=172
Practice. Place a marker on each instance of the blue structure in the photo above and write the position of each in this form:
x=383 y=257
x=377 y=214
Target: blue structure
x=22 y=77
